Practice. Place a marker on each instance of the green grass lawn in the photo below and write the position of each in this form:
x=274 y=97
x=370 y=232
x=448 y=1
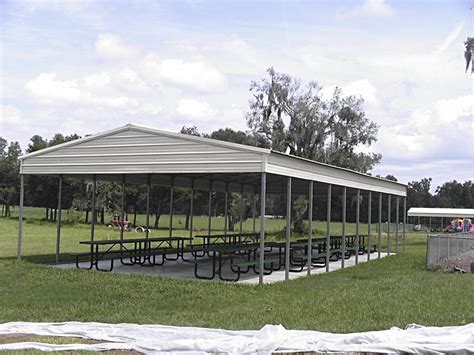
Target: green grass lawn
x=394 y=291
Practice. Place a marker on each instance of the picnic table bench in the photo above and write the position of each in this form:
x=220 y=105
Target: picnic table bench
x=143 y=251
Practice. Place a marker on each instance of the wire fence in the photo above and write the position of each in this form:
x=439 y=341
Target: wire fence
x=443 y=247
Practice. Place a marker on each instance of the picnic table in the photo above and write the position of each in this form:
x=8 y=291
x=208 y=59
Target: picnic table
x=241 y=258
x=141 y=251
x=234 y=238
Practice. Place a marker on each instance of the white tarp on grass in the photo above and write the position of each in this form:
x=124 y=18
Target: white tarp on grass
x=167 y=339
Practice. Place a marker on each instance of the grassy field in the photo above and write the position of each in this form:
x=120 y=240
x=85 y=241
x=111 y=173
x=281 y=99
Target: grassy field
x=394 y=291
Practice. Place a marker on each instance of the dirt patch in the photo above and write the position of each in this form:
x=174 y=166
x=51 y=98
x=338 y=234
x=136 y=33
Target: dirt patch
x=458 y=263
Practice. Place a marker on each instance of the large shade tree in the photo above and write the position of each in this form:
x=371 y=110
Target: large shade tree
x=294 y=117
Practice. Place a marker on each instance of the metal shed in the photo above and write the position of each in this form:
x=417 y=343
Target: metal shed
x=142 y=155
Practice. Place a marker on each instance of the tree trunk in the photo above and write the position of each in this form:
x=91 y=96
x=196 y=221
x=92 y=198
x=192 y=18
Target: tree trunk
x=87 y=215
x=47 y=213
x=186 y=223
x=55 y=214
x=157 y=218
x=230 y=224
x=134 y=216
x=102 y=217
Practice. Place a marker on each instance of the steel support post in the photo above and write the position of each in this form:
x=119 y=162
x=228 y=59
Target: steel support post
x=288 y=228
x=328 y=228
x=254 y=211
x=226 y=208
x=191 y=210
x=344 y=217
x=148 y=193
x=94 y=216
x=397 y=219
x=404 y=222
x=357 y=227
x=241 y=225
x=379 y=241
x=310 y=226
x=58 y=218
x=122 y=208
x=20 y=217
x=369 y=225
x=388 y=223
x=170 y=228
x=209 y=209
x=263 y=197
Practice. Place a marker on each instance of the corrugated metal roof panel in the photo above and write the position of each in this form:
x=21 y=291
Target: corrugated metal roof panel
x=440 y=212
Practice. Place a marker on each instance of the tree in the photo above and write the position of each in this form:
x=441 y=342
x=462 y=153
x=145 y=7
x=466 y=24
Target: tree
x=9 y=174
x=468 y=53
x=418 y=193
x=295 y=118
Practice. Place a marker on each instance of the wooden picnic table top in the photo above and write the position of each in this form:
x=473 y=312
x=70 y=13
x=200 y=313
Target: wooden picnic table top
x=133 y=240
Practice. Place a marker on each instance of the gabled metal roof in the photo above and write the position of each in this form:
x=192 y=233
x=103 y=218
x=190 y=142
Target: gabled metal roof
x=440 y=212
x=138 y=151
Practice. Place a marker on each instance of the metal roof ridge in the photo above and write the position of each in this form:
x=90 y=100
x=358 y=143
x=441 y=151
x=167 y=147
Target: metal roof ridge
x=337 y=167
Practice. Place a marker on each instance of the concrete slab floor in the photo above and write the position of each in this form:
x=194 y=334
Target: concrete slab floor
x=185 y=270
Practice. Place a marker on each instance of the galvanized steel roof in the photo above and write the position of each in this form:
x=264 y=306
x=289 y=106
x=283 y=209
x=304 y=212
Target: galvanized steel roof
x=137 y=151
x=440 y=212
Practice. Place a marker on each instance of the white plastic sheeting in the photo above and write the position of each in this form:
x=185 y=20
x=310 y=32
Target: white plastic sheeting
x=159 y=339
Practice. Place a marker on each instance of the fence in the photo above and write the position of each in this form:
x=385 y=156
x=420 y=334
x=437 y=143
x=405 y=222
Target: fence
x=446 y=246
x=393 y=227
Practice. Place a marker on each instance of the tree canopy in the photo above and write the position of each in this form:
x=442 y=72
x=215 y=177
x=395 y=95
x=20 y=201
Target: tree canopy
x=293 y=117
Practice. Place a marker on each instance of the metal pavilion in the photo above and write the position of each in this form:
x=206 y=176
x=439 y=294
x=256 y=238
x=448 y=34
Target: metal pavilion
x=141 y=155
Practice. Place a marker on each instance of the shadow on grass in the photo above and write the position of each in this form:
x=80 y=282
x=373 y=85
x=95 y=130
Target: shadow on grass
x=43 y=258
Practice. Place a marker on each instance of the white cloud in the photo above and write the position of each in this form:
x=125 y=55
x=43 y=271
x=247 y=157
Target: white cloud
x=371 y=8
x=111 y=46
x=46 y=87
x=455 y=32
x=377 y=7
x=363 y=88
x=195 y=74
x=196 y=109
x=451 y=110
x=241 y=49
x=101 y=79
x=11 y=114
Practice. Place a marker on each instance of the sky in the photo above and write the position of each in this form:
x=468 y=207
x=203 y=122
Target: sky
x=88 y=66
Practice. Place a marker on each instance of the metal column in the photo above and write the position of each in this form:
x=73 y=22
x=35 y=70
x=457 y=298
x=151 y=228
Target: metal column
x=209 y=209
x=344 y=215
x=241 y=225
x=388 y=224
x=357 y=227
x=170 y=228
x=20 y=217
x=226 y=207
x=288 y=228
x=254 y=210
x=58 y=220
x=397 y=219
x=122 y=210
x=310 y=226
x=328 y=228
x=94 y=190
x=379 y=241
x=263 y=196
x=148 y=192
x=191 y=210
x=369 y=226
x=404 y=222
